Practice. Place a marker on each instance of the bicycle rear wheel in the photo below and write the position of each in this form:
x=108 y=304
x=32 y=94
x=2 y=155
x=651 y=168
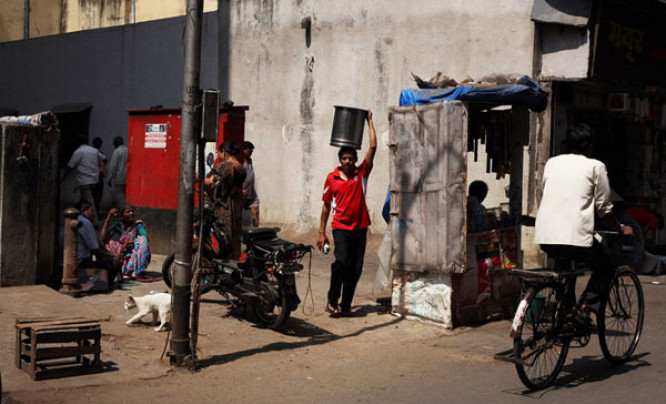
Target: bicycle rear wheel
x=539 y=347
x=621 y=315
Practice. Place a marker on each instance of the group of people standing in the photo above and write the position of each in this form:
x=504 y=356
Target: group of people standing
x=91 y=168
x=122 y=245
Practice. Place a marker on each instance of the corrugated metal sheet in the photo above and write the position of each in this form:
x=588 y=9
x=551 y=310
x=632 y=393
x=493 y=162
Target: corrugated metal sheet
x=428 y=169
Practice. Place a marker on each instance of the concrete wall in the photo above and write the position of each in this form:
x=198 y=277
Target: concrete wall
x=97 y=14
x=147 y=10
x=50 y=17
x=361 y=54
x=45 y=17
x=11 y=20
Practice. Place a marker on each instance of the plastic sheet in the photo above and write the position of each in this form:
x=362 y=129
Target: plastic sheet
x=525 y=92
x=45 y=120
x=426 y=296
x=383 y=279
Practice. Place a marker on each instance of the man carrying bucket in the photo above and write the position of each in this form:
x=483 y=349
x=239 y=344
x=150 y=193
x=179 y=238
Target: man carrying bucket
x=344 y=192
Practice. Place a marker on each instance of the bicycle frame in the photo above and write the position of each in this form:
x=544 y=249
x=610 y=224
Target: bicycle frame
x=540 y=278
x=543 y=327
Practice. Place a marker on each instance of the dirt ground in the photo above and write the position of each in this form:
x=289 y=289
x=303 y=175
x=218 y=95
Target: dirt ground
x=370 y=357
x=226 y=335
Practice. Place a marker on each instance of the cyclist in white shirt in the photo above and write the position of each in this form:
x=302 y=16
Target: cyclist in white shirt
x=575 y=190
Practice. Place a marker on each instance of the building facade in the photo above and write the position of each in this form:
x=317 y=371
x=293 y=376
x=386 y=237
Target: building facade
x=25 y=19
x=292 y=61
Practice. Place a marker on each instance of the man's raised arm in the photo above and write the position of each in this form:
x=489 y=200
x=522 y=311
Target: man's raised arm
x=370 y=155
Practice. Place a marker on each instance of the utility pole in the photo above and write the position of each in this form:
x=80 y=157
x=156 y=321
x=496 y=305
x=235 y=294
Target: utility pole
x=190 y=129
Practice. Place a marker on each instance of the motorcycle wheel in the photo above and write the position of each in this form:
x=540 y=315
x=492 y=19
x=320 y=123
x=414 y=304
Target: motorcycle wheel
x=272 y=309
x=206 y=280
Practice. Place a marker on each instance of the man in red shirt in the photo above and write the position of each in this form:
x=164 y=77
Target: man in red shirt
x=344 y=192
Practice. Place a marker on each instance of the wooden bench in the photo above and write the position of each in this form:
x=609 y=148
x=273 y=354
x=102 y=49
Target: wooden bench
x=57 y=347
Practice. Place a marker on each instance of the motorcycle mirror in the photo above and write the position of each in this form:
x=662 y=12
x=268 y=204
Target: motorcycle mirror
x=210 y=159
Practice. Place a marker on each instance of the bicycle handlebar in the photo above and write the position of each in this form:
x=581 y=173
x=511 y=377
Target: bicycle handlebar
x=608 y=232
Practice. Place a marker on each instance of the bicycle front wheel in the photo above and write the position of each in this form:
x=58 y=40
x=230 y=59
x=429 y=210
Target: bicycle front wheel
x=539 y=348
x=621 y=315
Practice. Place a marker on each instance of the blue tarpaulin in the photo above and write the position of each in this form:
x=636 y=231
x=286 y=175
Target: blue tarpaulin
x=525 y=92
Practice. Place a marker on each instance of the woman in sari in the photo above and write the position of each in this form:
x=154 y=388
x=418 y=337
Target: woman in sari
x=129 y=238
x=232 y=175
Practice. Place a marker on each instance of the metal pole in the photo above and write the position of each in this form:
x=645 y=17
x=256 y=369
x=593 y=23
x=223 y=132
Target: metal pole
x=26 y=19
x=196 y=278
x=190 y=128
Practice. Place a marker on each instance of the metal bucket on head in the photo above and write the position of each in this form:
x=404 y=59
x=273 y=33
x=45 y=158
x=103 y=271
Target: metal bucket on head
x=348 y=126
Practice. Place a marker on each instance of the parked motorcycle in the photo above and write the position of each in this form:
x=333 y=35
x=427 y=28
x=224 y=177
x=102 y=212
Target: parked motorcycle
x=264 y=276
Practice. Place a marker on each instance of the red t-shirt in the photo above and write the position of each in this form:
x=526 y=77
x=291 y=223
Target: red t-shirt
x=347 y=198
x=643 y=217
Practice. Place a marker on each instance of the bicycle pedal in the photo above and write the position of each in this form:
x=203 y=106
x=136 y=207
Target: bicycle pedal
x=582 y=340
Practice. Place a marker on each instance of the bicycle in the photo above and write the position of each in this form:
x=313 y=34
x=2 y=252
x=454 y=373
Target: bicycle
x=543 y=327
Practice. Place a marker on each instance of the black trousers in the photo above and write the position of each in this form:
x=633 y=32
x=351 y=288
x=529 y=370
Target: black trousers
x=599 y=259
x=348 y=266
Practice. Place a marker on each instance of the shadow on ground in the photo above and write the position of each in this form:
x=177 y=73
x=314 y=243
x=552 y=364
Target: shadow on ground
x=585 y=370
x=294 y=327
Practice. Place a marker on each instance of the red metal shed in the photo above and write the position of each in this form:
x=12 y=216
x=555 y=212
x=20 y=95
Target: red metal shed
x=153 y=165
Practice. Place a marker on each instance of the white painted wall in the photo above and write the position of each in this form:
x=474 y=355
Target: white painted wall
x=361 y=55
x=565 y=52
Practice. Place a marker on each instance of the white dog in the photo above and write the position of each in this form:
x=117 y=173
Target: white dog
x=153 y=303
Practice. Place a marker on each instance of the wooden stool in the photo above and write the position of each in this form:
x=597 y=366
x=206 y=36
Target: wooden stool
x=57 y=347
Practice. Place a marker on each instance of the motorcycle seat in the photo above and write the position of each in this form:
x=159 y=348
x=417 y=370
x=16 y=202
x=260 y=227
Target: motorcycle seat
x=260 y=233
x=277 y=244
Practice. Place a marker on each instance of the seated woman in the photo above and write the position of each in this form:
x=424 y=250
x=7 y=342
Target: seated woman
x=129 y=238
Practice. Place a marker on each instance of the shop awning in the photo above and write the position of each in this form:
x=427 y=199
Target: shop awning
x=565 y=12
x=524 y=92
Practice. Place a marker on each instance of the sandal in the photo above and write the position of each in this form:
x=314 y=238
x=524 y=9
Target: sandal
x=332 y=309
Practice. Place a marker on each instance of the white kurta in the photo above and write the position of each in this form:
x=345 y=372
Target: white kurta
x=574 y=189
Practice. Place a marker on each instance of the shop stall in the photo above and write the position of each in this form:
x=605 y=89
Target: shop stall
x=630 y=134
x=450 y=254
